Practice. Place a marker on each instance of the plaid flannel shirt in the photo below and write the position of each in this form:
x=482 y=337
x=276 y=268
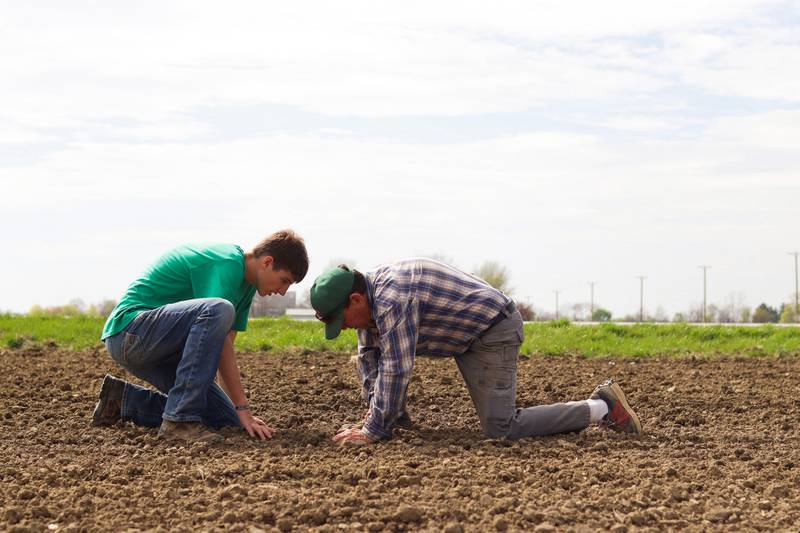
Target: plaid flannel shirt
x=420 y=307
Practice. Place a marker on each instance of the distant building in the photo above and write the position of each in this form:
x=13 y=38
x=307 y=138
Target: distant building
x=275 y=305
x=301 y=313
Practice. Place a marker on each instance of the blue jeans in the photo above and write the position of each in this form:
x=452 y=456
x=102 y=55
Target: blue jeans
x=177 y=349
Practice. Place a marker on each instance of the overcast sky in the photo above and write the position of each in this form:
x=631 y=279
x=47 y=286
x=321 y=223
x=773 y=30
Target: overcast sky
x=569 y=141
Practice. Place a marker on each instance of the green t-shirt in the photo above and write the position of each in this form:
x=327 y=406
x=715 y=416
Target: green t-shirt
x=185 y=273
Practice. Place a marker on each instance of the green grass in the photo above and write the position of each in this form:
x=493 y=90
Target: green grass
x=274 y=334
x=78 y=332
x=560 y=338
x=544 y=338
x=82 y=332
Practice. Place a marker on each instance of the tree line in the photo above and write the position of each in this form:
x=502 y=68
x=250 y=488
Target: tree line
x=499 y=277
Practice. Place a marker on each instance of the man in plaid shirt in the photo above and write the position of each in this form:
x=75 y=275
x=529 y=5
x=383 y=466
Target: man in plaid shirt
x=424 y=307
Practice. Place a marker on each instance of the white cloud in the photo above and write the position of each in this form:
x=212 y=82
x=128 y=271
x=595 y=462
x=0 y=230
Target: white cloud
x=153 y=60
x=116 y=162
x=743 y=62
x=771 y=131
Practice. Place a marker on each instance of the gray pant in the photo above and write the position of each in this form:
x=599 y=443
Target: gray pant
x=489 y=368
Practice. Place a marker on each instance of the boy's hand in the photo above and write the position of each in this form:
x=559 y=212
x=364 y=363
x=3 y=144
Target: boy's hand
x=352 y=436
x=254 y=426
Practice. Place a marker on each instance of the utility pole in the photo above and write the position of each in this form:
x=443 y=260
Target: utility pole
x=556 y=303
x=641 y=298
x=796 y=292
x=705 y=300
x=591 y=300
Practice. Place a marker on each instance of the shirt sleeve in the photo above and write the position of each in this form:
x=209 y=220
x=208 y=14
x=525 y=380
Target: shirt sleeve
x=369 y=353
x=397 y=347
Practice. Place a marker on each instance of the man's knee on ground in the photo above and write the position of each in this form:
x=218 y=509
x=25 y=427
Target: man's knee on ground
x=221 y=310
x=496 y=429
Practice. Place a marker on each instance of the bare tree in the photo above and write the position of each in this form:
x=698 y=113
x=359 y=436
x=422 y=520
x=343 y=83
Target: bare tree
x=712 y=313
x=304 y=299
x=725 y=316
x=526 y=311
x=731 y=310
x=79 y=304
x=580 y=312
x=495 y=275
x=695 y=313
x=105 y=307
x=745 y=314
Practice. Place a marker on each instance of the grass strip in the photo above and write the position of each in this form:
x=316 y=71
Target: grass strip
x=542 y=338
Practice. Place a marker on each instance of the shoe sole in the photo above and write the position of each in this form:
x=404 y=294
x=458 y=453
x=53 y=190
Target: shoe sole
x=96 y=419
x=616 y=389
x=178 y=438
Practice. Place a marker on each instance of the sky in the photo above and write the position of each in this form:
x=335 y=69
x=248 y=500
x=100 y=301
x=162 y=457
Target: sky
x=571 y=142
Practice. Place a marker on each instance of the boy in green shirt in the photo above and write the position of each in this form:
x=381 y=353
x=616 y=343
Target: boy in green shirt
x=175 y=327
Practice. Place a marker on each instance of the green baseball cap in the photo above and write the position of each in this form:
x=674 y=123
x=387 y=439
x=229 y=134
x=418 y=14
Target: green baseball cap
x=328 y=297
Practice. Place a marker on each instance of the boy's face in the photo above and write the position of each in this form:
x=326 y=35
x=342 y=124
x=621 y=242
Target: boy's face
x=270 y=281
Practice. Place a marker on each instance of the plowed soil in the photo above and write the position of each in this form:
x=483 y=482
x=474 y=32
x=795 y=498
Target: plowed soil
x=721 y=452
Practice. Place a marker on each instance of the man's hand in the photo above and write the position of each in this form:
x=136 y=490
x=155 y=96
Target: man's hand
x=351 y=435
x=254 y=426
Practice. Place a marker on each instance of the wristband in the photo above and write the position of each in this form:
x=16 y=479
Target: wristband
x=243 y=407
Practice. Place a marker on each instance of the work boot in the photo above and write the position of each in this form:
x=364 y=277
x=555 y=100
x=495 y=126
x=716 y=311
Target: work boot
x=188 y=432
x=108 y=410
x=620 y=415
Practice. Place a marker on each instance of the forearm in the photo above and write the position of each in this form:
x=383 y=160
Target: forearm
x=386 y=404
x=368 y=371
x=229 y=372
x=367 y=362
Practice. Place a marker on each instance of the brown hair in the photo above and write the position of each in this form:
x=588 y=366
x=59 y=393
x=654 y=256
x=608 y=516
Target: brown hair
x=288 y=251
x=359 y=282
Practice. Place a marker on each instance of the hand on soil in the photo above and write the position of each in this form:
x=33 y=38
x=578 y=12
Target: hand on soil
x=254 y=426
x=353 y=436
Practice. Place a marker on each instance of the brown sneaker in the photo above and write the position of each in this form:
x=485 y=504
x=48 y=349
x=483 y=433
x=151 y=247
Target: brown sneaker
x=187 y=432
x=108 y=408
x=620 y=415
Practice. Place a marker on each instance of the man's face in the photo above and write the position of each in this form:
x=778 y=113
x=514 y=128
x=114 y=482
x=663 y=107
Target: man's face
x=270 y=281
x=357 y=314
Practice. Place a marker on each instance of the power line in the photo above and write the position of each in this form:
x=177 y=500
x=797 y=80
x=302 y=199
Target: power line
x=556 y=303
x=796 y=291
x=591 y=299
x=705 y=300
x=641 y=298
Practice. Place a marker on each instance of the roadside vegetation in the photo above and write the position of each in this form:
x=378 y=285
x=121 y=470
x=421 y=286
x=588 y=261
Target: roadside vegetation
x=563 y=338
x=542 y=338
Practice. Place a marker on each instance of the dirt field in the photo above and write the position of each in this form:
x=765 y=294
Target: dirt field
x=721 y=453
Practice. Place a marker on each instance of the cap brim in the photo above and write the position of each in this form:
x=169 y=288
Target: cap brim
x=334 y=327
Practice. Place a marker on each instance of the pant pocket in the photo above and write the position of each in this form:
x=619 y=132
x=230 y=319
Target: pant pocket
x=510 y=353
x=500 y=380
x=131 y=344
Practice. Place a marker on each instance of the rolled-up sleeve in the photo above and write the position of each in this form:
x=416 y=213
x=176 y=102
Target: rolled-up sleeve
x=397 y=348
